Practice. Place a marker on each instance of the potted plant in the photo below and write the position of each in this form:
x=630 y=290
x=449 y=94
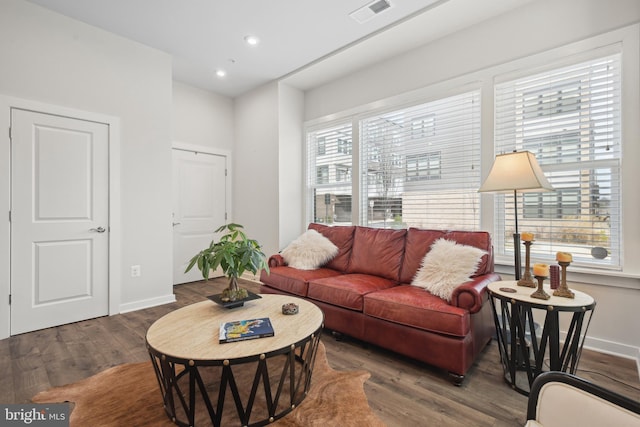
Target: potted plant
x=234 y=253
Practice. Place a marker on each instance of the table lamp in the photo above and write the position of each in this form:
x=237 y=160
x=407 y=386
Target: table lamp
x=518 y=172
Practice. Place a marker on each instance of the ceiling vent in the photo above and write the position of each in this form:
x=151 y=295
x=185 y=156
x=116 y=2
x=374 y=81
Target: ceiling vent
x=370 y=10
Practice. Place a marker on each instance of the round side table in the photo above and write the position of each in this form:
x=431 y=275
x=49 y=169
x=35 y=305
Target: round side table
x=522 y=348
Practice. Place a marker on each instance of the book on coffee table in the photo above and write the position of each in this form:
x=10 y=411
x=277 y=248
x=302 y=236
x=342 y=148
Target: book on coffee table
x=241 y=330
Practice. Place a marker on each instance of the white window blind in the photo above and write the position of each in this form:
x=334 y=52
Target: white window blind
x=420 y=165
x=329 y=172
x=569 y=118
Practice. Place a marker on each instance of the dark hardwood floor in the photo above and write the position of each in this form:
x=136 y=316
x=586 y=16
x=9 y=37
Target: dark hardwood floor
x=401 y=391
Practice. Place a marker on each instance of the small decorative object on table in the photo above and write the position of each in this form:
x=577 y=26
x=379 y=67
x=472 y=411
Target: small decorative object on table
x=541 y=272
x=526 y=279
x=241 y=330
x=289 y=308
x=555 y=276
x=564 y=259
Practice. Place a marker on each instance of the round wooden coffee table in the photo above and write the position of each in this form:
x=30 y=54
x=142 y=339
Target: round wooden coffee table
x=265 y=378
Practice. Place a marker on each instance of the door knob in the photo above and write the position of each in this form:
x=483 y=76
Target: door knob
x=176 y=223
x=98 y=230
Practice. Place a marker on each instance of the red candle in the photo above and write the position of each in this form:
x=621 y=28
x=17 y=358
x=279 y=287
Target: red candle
x=555 y=276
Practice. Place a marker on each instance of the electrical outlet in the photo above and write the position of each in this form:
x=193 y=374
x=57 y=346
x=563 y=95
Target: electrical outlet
x=135 y=271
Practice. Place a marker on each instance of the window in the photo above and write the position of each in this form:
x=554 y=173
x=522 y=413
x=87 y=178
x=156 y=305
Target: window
x=419 y=165
x=322 y=174
x=322 y=146
x=423 y=127
x=423 y=166
x=562 y=203
x=329 y=189
x=344 y=146
x=570 y=119
x=343 y=173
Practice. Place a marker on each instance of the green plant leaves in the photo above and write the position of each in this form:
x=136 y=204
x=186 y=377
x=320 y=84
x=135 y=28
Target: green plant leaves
x=234 y=253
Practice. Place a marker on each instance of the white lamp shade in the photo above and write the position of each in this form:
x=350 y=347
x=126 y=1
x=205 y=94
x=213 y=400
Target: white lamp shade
x=516 y=171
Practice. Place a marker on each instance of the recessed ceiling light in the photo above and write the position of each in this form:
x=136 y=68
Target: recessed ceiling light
x=221 y=73
x=251 y=40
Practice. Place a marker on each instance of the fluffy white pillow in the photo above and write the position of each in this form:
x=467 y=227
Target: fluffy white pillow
x=446 y=266
x=309 y=251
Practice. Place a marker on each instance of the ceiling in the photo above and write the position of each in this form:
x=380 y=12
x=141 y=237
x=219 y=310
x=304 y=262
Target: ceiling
x=308 y=41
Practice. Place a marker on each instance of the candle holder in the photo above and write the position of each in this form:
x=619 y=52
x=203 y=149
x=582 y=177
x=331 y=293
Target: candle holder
x=527 y=280
x=563 y=290
x=540 y=293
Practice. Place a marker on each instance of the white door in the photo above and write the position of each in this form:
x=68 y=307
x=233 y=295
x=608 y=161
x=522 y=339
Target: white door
x=199 y=207
x=59 y=220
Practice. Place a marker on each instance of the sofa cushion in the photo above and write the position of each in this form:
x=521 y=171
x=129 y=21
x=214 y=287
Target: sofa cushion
x=418 y=244
x=293 y=280
x=446 y=266
x=309 y=251
x=412 y=306
x=377 y=252
x=342 y=237
x=346 y=290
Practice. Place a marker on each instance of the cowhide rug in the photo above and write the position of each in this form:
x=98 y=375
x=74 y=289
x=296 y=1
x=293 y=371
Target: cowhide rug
x=128 y=395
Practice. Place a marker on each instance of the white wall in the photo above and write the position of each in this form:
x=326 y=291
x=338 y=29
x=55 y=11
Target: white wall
x=291 y=183
x=52 y=59
x=268 y=184
x=202 y=118
x=463 y=58
x=256 y=167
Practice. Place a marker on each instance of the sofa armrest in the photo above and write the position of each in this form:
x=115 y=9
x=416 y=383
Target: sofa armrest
x=471 y=295
x=276 y=261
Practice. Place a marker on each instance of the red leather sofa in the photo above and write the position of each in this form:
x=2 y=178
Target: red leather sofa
x=365 y=292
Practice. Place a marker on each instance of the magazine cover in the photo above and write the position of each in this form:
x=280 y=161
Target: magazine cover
x=246 y=330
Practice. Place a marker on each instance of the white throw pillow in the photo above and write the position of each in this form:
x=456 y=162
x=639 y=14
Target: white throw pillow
x=446 y=266
x=309 y=251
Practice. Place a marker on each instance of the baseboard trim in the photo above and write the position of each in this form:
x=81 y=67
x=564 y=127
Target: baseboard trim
x=147 y=303
x=251 y=277
x=609 y=347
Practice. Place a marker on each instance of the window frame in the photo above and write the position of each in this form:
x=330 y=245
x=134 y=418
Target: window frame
x=572 y=163
x=625 y=39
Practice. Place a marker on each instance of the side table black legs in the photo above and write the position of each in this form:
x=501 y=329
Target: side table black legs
x=523 y=350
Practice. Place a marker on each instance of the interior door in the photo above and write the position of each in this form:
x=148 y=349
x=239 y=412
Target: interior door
x=59 y=220
x=199 y=207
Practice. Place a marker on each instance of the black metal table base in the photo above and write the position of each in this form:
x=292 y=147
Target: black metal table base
x=523 y=351
x=261 y=388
